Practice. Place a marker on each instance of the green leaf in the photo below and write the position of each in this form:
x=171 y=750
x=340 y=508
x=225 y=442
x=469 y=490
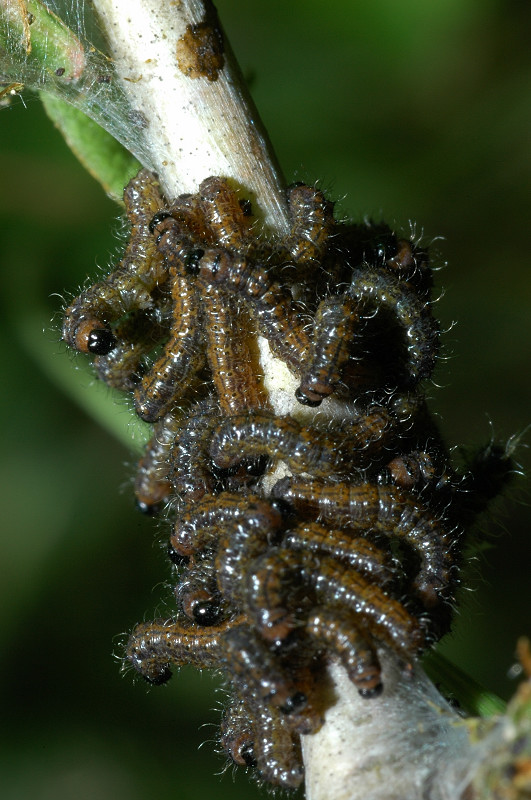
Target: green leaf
x=34 y=37
x=105 y=158
x=39 y=51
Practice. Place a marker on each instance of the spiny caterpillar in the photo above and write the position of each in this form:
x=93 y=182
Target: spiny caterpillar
x=359 y=545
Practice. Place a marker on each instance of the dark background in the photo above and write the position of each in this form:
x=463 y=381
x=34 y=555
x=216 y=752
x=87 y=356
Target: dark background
x=407 y=111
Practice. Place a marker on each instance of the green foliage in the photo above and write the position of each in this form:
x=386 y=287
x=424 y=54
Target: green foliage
x=106 y=159
x=38 y=42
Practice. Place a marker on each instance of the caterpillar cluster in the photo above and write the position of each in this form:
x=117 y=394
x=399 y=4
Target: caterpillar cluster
x=358 y=545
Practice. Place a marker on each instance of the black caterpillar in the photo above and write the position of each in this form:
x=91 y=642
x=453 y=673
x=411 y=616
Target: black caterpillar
x=359 y=546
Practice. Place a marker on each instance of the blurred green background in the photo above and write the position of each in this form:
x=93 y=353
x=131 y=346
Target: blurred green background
x=407 y=111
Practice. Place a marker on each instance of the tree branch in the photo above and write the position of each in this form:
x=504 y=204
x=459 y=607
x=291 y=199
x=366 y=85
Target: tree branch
x=183 y=85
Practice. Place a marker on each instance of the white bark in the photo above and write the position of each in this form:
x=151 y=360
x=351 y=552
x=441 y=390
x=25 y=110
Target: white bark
x=195 y=126
x=407 y=744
